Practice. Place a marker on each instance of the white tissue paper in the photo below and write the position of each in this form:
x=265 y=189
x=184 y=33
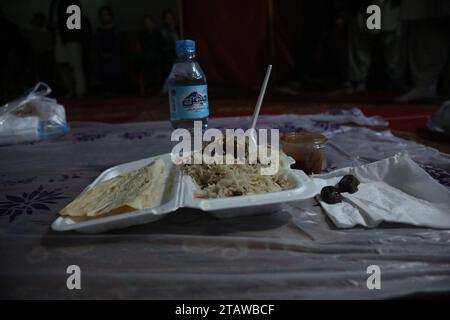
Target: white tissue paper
x=395 y=190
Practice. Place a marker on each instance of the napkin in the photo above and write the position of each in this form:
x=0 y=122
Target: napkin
x=395 y=190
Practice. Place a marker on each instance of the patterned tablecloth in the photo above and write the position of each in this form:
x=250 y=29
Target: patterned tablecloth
x=292 y=253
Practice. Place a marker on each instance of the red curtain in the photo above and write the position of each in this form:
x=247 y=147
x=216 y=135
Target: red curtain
x=232 y=37
x=237 y=39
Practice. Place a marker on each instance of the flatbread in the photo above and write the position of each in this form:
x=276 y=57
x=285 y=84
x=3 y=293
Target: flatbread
x=138 y=189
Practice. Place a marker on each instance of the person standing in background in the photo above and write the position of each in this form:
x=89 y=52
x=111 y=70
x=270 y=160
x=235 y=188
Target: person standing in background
x=107 y=49
x=151 y=43
x=320 y=51
x=72 y=48
x=428 y=30
x=169 y=31
x=361 y=42
x=40 y=39
x=14 y=59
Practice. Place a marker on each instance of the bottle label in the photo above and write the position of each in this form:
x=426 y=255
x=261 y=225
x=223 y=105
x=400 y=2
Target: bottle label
x=188 y=102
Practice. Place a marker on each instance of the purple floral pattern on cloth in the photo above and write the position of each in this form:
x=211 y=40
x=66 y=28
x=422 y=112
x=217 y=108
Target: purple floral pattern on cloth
x=289 y=127
x=64 y=177
x=28 y=203
x=439 y=174
x=326 y=125
x=88 y=136
x=137 y=134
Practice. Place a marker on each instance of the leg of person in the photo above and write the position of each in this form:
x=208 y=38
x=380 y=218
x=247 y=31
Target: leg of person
x=428 y=51
x=64 y=74
x=359 y=55
x=75 y=60
x=392 y=54
x=446 y=76
x=62 y=69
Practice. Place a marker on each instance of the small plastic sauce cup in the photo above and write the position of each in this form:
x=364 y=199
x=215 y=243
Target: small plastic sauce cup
x=306 y=149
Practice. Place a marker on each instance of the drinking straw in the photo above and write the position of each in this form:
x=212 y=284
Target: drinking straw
x=261 y=97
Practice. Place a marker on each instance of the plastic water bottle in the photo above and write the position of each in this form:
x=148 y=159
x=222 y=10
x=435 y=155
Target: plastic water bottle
x=188 y=91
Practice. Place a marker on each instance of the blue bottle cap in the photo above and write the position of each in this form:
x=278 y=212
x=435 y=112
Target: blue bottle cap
x=185 y=47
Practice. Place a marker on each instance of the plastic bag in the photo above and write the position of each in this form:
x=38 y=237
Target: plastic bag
x=33 y=117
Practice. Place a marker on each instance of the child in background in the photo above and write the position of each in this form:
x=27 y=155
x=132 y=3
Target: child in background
x=151 y=54
x=107 y=45
x=170 y=35
x=40 y=39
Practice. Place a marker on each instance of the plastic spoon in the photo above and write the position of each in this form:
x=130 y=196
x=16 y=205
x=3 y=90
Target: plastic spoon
x=259 y=102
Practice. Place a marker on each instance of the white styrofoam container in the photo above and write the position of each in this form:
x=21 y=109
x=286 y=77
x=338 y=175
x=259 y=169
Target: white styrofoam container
x=179 y=192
